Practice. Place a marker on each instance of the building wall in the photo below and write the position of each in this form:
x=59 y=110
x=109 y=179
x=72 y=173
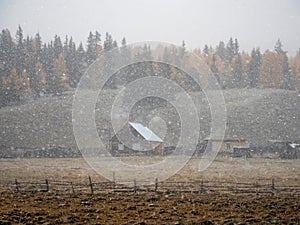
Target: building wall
x=117 y=148
x=227 y=145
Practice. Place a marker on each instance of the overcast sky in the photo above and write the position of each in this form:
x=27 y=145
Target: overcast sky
x=256 y=23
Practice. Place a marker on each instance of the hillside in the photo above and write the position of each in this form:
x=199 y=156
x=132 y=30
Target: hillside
x=257 y=115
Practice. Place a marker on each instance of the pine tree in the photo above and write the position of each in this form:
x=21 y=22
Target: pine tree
x=19 y=37
x=37 y=47
x=286 y=73
x=125 y=52
x=108 y=43
x=182 y=50
x=205 y=50
x=285 y=68
x=71 y=60
x=66 y=46
x=237 y=71
x=81 y=56
x=7 y=54
x=20 y=51
x=94 y=47
x=91 y=53
x=236 y=47
x=98 y=43
x=47 y=59
x=278 y=47
x=214 y=69
x=254 y=68
x=30 y=61
x=58 y=47
x=229 y=51
x=221 y=50
x=115 y=44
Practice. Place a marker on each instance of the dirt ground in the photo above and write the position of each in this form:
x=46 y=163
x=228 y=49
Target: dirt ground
x=148 y=207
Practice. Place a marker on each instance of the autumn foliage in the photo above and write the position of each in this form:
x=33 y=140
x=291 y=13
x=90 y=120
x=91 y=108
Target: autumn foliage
x=30 y=68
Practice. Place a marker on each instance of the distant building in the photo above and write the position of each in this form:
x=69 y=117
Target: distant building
x=139 y=141
x=226 y=144
x=286 y=149
x=244 y=152
x=292 y=151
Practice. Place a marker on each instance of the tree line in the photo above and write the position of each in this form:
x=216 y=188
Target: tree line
x=235 y=69
x=30 y=68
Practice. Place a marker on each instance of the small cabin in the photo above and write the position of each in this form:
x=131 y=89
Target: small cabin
x=227 y=145
x=136 y=139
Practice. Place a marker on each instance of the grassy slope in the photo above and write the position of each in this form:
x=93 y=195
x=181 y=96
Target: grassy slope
x=258 y=115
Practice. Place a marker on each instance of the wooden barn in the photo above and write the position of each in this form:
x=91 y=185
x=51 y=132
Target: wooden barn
x=139 y=141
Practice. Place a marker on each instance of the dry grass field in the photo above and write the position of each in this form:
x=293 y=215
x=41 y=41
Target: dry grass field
x=64 y=207
x=232 y=169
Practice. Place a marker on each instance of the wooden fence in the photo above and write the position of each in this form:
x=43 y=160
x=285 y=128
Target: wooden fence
x=198 y=187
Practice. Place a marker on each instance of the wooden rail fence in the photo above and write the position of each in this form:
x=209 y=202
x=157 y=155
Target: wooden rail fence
x=199 y=187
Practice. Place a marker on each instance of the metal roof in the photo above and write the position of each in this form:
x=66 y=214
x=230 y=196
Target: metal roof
x=146 y=133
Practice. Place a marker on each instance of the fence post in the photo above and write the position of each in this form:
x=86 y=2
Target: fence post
x=156 y=185
x=134 y=183
x=73 y=192
x=200 y=187
x=256 y=188
x=201 y=190
x=273 y=186
x=235 y=188
x=91 y=185
x=114 y=180
x=17 y=185
x=47 y=185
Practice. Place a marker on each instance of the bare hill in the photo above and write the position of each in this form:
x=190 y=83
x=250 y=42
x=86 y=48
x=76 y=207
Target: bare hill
x=257 y=115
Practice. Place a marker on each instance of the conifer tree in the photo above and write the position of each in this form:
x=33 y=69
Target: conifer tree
x=205 y=50
x=254 y=68
x=236 y=47
x=214 y=69
x=229 y=50
x=125 y=52
x=285 y=68
x=237 y=71
x=221 y=50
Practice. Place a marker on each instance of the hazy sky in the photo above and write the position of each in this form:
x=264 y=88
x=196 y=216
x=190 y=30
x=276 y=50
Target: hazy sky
x=254 y=22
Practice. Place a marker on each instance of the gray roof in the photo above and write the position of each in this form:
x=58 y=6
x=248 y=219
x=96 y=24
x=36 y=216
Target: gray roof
x=145 y=132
